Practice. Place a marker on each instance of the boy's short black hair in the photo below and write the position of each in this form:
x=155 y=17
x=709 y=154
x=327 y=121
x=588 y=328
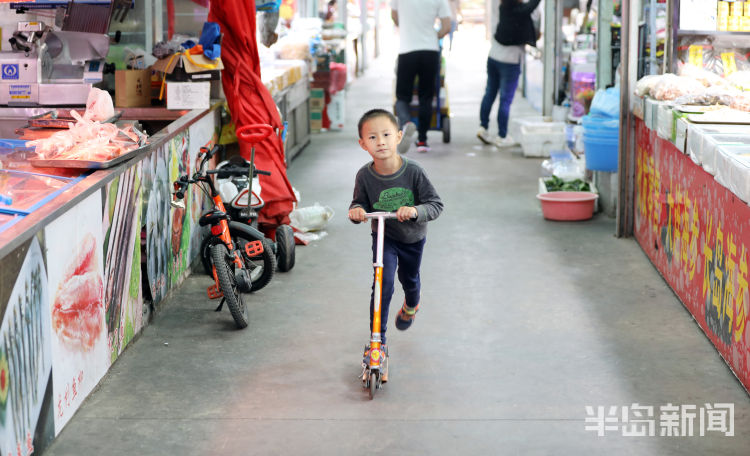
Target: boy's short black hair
x=371 y=114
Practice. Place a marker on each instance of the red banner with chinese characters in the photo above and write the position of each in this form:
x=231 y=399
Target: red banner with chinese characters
x=696 y=232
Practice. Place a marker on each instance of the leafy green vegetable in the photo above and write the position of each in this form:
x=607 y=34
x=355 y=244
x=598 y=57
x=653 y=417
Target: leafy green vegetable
x=555 y=184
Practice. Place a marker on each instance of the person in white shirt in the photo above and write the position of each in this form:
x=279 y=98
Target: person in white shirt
x=418 y=55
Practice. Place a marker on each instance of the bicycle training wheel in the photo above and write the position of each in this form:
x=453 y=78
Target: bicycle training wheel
x=232 y=295
x=285 y=248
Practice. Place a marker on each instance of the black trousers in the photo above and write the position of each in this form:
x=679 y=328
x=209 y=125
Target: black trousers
x=425 y=65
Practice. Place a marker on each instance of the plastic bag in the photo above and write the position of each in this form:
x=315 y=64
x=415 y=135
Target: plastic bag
x=717 y=95
x=705 y=77
x=740 y=80
x=727 y=61
x=698 y=52
x=671 y=86
x=645 y=84
x=741 y=102
x=99 y=105
x=267 y=5
x=309 y=237
x=312 y=218
x=267 y=24
x=606 y=103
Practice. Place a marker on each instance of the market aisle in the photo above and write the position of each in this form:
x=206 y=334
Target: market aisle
x=523 y=324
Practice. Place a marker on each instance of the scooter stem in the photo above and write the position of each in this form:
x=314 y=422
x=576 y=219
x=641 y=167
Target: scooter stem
x=378 y=286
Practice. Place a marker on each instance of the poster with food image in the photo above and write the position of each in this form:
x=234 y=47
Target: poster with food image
x=180 y=220
x=80 y=351
x=123 y=294
x=157 y=192
x=25 y=353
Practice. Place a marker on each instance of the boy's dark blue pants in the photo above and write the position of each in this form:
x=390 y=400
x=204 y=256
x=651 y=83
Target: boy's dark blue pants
x=407 y=257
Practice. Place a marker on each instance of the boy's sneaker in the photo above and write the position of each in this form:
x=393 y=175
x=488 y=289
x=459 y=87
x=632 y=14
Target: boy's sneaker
x=405 y=316
x=505 y=142
x=484 y=136
x=422 y=146
x=409 y=129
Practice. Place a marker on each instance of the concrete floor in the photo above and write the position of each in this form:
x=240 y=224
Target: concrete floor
x=524 y=322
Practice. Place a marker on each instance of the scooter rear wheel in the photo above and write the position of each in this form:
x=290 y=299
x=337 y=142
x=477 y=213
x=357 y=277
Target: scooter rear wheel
x=232 y=295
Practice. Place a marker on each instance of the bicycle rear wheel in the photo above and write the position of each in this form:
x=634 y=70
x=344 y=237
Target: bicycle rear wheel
x=225 y=273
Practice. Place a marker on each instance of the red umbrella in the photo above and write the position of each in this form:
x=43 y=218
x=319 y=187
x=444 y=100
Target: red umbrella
x=251 y=103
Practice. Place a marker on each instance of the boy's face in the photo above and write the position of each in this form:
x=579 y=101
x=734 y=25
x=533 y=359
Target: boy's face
x=380 y=138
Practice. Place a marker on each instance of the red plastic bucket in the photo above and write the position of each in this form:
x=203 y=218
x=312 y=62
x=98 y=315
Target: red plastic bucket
x=567 y=205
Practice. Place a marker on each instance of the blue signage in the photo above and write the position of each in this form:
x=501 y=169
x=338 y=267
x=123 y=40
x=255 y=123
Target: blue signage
x=9 y=71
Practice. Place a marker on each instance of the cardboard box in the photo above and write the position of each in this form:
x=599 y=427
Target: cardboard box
x=317 y=99
x=132 y=88
x=188 y=95
x=181 y=68
x=316 y=120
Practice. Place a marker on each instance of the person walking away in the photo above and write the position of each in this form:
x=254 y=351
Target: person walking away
x=418 y=55
x=392 y=183
x=515 y=29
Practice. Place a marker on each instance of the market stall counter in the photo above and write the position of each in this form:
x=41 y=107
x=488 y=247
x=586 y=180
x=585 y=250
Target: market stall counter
x=692 y=186
x=81 y=267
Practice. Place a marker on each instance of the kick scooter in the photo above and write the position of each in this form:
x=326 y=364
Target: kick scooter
x=375 y=365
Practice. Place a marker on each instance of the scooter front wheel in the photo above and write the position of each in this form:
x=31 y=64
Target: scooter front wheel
x=228 y=285
x=373 y=383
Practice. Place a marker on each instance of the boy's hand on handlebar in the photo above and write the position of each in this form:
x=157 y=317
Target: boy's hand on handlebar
x=405 y=213
x=357 y=214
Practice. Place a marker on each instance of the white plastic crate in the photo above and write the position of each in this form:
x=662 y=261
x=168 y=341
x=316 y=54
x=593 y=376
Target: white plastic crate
x=538 y=136
x=664 y=119
x=680 y=134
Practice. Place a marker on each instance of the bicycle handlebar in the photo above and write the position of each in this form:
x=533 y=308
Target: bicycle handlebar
x=229 y=171
x=180 y=185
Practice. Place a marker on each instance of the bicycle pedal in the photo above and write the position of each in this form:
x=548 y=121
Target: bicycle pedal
x=254 y=248
x=214 y=292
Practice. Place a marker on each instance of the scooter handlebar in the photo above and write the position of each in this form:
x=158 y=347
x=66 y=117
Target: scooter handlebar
x=387 y=215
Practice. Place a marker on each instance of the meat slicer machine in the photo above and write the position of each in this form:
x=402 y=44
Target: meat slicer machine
x=51 y=68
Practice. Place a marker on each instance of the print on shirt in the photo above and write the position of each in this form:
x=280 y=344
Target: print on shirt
x=392 y=198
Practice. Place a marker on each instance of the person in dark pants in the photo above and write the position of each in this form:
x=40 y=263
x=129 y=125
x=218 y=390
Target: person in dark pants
x=418 y=56
x=515 y=29
x=391 y=183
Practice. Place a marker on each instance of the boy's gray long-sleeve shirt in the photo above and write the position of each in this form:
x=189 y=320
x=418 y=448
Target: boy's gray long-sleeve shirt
x=409 y=186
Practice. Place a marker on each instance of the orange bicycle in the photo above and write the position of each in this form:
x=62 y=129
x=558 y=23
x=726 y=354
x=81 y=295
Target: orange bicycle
x=375 y=364
x=230 y=269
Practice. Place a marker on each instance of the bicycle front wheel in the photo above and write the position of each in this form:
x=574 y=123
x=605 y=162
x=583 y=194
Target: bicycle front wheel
x=225 y=273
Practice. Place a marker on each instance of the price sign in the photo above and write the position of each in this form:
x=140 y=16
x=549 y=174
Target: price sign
x=730 y=65
x=695 y=55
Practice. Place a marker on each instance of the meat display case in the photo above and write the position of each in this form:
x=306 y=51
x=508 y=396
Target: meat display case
x=23 y=189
